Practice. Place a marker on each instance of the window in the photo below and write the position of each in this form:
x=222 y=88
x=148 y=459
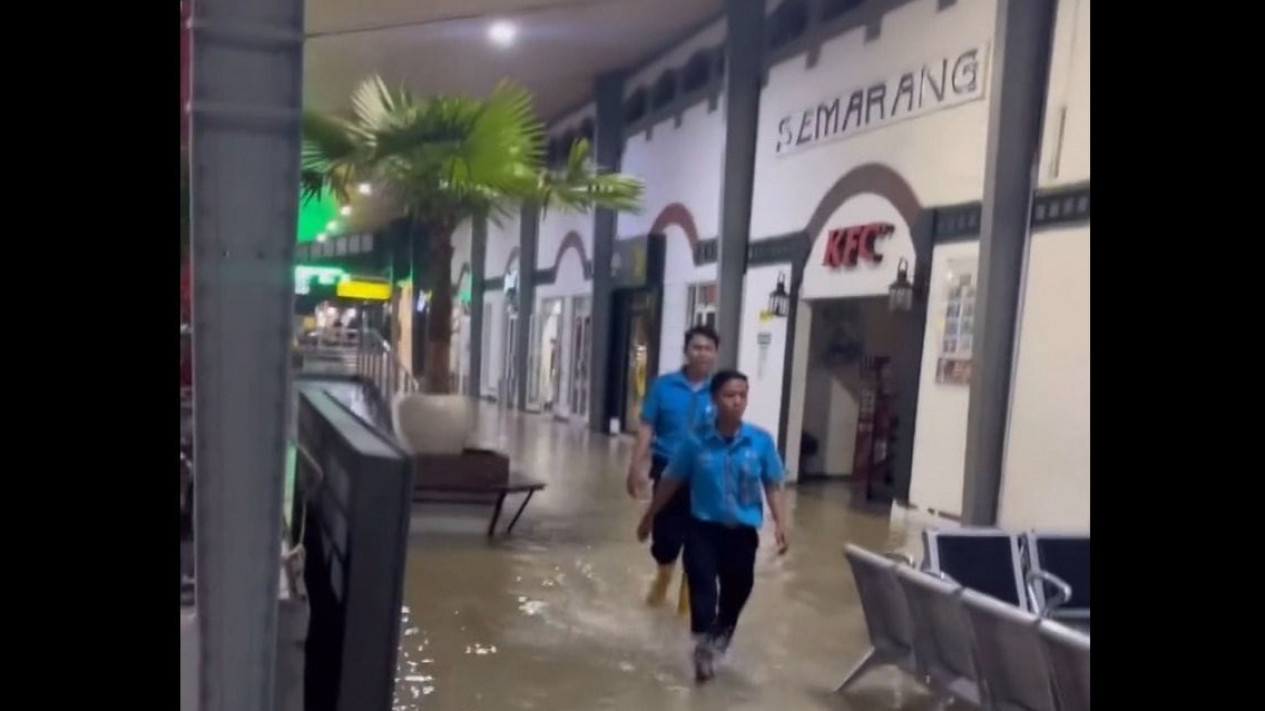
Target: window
x=664 y=89
x=696 y=73
x=702 y=305
x=787 y=23
x=635 y=106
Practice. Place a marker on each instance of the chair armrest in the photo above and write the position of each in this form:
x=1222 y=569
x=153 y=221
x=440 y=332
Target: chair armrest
x=1062 y=591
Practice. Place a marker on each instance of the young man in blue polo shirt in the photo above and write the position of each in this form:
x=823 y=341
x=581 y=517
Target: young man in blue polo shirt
x=676 y=403
x=728 y=468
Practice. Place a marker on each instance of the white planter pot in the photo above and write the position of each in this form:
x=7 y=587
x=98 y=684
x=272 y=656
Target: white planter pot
x=433 y=424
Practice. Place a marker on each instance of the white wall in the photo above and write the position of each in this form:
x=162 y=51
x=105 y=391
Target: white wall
x=1045 y=476
x=679 y=165
x=764 y=399
x=553 y=230
x=502 y=239
x=939 y=461
x=570 y=282
x=941 y=154
x=1067 y=103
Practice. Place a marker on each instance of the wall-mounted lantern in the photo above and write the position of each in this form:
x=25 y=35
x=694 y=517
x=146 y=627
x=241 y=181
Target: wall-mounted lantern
x=901 y=292
x=779 y=299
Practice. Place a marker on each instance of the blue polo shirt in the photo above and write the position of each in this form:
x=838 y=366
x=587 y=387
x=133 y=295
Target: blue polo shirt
x=673 y=407
x=727 y=478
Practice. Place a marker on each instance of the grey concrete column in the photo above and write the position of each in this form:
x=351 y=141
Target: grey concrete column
x=608 y=151
x=528 y=236
x=1020 y=71
x=478 y=254
x=247 y=92
x=744 y=60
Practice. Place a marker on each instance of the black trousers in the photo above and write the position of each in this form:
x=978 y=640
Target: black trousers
x=720 y=567
x=670 y=524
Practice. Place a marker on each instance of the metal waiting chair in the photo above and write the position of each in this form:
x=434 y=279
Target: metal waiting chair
x=1058 y=576
x=986 y=560
x=942 y=635
x=1067 y=655
x=1009 y=655
x=886 y=615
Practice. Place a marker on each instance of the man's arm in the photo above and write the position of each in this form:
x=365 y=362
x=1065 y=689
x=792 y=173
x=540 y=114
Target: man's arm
x=674 y=477
x=774 y=475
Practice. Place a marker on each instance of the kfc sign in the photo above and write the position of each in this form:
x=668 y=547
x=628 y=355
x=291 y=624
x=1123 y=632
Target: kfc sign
x=850 y=245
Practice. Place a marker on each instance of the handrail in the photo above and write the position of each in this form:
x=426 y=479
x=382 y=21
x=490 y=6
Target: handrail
x=377 y=363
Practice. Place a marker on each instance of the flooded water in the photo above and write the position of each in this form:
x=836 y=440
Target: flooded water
x=553 y=617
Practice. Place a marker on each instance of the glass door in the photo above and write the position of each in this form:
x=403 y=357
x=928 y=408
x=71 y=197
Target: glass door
x=533 y=363
x=641 y=339
x=509 y=381
x=581 y=322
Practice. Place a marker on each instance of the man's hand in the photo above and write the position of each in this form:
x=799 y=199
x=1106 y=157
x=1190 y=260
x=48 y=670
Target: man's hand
x=643 y=528
x=637 y=482
x=783 y=543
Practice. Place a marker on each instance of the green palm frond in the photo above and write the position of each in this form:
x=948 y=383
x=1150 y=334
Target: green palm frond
x=579 y=185
x=452 y=157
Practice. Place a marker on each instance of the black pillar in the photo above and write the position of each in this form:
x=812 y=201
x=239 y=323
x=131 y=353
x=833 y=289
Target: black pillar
x=1020 y=74
x=419 y=241
x=528 y=232
x=608 y=151
x=478 y=253
x=744 y=61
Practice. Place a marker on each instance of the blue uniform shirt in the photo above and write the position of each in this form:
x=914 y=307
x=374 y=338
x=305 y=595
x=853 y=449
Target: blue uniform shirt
x=727 y=478
x=673 y=407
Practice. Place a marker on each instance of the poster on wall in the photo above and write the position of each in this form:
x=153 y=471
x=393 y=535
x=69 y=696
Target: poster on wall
x=953 y=366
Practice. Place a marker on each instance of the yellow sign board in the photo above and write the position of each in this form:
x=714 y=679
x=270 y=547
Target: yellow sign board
x=364 y=290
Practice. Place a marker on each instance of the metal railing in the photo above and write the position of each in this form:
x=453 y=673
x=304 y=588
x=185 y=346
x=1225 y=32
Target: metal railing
x=378 y=365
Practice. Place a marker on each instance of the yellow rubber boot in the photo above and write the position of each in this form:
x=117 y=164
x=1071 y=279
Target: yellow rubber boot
x=683 y=600
x=658 y=594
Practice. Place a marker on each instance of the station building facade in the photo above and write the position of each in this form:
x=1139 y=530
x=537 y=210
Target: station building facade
x=869 y=171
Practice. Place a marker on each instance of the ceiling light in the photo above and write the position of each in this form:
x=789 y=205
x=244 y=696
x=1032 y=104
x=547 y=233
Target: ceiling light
x=321 y=237
x=502 y=33
x=345 y=210
x=364 y=189
x=331 y=226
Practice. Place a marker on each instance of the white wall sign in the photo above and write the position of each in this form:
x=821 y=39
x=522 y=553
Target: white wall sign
x=945 y=81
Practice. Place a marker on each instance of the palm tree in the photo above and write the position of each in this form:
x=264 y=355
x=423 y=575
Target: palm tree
x=447 y=159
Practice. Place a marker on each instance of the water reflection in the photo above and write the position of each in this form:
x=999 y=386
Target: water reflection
x=552 y=618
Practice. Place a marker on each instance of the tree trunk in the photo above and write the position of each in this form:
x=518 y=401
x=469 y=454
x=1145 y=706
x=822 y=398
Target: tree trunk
x=439 y=310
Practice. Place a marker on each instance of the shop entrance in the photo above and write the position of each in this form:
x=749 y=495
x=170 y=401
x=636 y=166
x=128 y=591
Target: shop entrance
x=581 y=352
x=635 y=361
x=850 y=423
x=545 y=357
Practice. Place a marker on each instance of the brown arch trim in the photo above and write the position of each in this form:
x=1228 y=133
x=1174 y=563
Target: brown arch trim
x=573 y=240
x=510 y=260
x=679 y=215
x=873 y=178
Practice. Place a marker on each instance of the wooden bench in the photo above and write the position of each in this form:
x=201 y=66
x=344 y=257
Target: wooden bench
x=476 y=476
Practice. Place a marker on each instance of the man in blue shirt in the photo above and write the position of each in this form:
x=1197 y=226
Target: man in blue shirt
x=676 y=403
x=729 y=468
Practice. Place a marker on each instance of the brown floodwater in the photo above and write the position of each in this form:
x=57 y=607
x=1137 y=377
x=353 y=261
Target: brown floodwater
x=552 y=618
